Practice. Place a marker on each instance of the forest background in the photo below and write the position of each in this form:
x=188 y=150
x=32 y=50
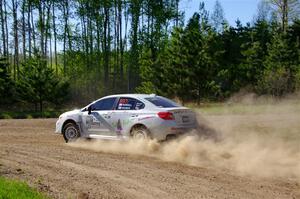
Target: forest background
x=65 y=53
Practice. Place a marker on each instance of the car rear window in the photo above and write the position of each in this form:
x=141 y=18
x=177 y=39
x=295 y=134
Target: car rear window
x=162 y=102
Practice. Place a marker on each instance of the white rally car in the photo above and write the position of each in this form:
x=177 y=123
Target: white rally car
x=119 y=117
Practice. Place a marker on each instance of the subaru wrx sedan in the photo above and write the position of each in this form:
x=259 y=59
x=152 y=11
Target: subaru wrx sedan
x=119 y=117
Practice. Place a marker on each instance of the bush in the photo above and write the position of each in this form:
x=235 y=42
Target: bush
x=297 y=81
x=274 y=82
x=5 y=116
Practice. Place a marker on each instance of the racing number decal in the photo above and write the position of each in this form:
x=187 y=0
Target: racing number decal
x=123 y=101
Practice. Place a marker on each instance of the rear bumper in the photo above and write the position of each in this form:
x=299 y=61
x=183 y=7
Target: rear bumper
x=161 y=134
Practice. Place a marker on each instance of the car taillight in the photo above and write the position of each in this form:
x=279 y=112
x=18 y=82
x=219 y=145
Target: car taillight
x=166 y=115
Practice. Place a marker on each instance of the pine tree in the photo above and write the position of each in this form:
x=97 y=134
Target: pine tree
x=7 y=85
x=282 y=67
x=252 y=65
x=39 y=84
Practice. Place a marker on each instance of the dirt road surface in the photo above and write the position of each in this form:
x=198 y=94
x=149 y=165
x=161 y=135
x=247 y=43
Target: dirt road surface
x=30 y=151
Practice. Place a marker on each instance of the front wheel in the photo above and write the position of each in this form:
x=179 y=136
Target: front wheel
x=140 y=133
x=71 y=132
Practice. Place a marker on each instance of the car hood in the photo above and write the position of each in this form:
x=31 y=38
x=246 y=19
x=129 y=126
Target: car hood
x=74 y=112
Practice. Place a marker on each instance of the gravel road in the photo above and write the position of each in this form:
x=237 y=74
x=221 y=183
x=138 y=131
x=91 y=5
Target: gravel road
x=30 y=151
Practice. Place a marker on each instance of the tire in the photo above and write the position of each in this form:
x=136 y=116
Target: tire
x=71 y=132
x=140 y=133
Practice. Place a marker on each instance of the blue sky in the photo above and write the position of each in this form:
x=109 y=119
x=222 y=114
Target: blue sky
x=245 y=10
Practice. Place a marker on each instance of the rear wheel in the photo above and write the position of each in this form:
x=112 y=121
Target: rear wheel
x=71 y=132
x=140 y=133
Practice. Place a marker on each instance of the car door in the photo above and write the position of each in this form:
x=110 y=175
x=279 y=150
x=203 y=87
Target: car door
x=98 y=123
x=124 y=115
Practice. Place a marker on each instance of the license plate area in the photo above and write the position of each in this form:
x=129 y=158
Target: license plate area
x=185 y=119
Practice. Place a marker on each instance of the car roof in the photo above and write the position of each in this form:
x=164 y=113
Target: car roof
x=137 y=96
x=141 y=96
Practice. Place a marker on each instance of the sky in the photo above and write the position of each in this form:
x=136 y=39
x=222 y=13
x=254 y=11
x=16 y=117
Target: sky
x=245 y=10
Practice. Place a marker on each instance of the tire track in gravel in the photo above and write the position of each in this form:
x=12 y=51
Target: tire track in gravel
x=68 y=178
x=124 y=183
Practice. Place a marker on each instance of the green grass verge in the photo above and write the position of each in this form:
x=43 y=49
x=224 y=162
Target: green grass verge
x=29 y=114
x=11 y=189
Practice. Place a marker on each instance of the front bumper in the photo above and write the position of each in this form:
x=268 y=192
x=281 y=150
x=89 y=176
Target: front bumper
x=58 y=126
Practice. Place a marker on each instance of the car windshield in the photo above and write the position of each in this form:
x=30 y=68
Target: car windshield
x=162 y=102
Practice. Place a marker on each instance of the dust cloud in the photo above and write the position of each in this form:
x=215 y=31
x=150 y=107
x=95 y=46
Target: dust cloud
x=261 y=139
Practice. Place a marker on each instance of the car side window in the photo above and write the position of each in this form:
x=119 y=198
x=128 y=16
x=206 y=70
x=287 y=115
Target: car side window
x=104 y=104
x=129 y=104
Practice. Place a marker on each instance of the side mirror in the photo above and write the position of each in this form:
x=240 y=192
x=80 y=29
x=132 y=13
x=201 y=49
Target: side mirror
x=89 y=110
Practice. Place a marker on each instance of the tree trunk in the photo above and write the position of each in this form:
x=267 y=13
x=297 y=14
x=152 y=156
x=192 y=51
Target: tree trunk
x=47 y=28
x=16 y=39
x=284 y=10
x=108 y=46
x=177 y=13
x=41 y=26
x=33 y=30
x=29 y=28
x=23 y=30
x=3 y=29
x=41 y=106
x=98 y=29
x=65 y=34
x=135 y=7
x=50 y=40
x=120 y=40
x=51 y=55
x=91 y=39
x=285 y=15
x=125 y=41
x=106 y=55
x=6 y=27
x=68 y=28
x=116 y=43
x=85 y=43
x=55 y=38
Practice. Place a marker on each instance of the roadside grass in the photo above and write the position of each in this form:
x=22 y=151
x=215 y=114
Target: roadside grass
x=11 y=189
x=29 y=114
